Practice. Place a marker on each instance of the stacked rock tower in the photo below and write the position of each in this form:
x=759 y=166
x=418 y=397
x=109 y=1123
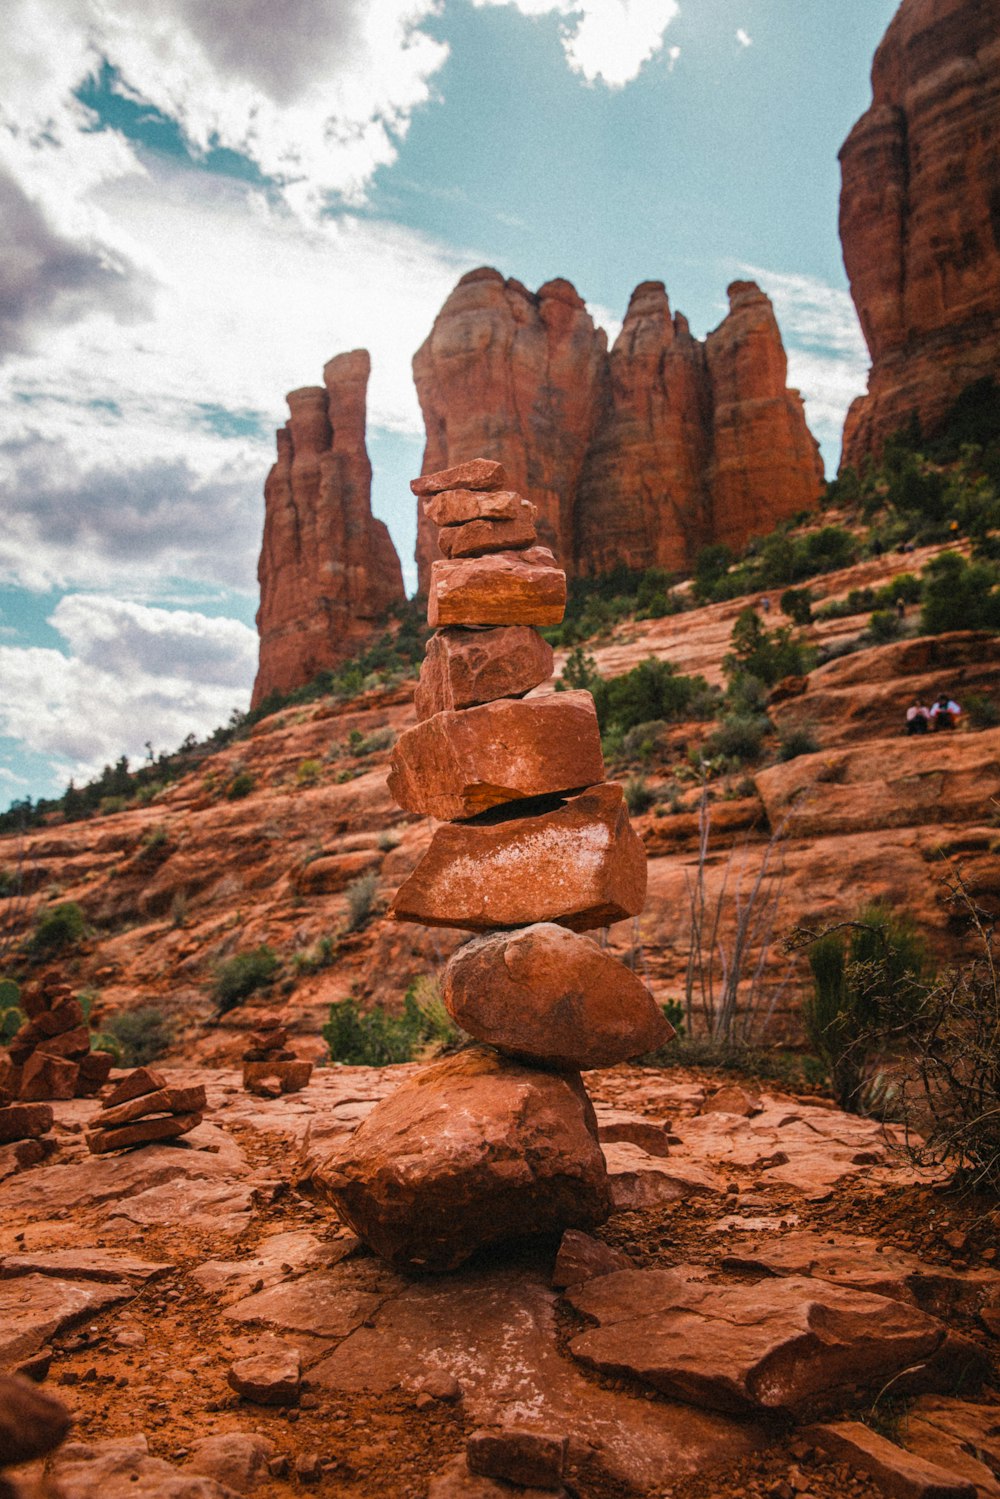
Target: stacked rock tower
x=534 y=849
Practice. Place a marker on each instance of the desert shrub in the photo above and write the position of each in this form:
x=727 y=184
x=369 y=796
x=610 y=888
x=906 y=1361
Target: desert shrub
x=652 y=690
x=960 y=595
x=797 y=741
x=639 y=795
x=797 y=604
x=387 y=840
x=319 y=956
x=378 y=739
x=765 y=654
x=738 y=737
x=641 y=742
x=863 y=971
x=57 y=929
x=579 y=672
x=375 y=1038
x=141 y=1035
x=240 y=786
x=884 y=625
x=308 y=772
x=982 y=712
x=361 y=897
x=11 y=1018
x=240 y=976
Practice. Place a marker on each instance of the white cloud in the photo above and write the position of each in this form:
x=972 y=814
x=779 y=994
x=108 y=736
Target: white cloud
x=673 y=58
x=606 y=40
x=827 y=355
x=133 y=674
x=743 y=37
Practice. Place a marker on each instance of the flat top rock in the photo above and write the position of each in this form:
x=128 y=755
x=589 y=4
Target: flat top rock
x=475 y=473
x=505 y=588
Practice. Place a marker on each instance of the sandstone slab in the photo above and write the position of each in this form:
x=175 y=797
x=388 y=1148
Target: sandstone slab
x=33 y=1308
x=507 y=588
x=142 y=1132
x=464 y=667
x=463 y=507
x=123 y=1469
x=24 y=1121
x=553 y=996
x=898 y=1473
x=164 y=1101
x=518 y=1455
x=478 y=538
x=640 y=1180
x=459 y=764
x=237 y=1459
x=962 y=1436
x=581 y=865
x=471 y=1151
x=474 y=473
x=270 y=1377
x=456 y=1482
x=733 y=1346
x=32 y=1422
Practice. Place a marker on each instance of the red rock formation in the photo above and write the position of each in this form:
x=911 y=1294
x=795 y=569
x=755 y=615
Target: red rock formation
x=517 y=377
x=641 y=456
x=920 y=217
x=328 y=570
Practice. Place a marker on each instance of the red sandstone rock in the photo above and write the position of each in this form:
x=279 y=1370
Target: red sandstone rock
x=74 y=1043
x=518 y=1455
x=777 y=1345
x=271 y=1377
x=457 y=507
x=552 y=996
x=463 y=763
x=582 y=1257
x=918 y=217
x=507 y=588
x=581 y=865
x=142 y=1132
x=46 y=1077
x=24 y=1121
x=639 y=457
x=328 y=570
x=163 y=1101
x=55 y=1022
x=518 y=377
x=94 y=1069
x=897 y=1473
x=477 y=538
x=470 y=1151
x=142 y=1080
x=290 y=1076
x=465 y=667
x=31 y=1421
x=475 y=474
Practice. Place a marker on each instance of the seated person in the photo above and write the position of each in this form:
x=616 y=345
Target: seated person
x=917 y=719
x=945 y=713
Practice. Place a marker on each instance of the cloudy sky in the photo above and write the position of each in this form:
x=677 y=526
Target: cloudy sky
x=201 y=201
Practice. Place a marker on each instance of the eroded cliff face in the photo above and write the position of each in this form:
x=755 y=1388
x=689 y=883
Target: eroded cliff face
x=328 y=570
x=920 y=217
x=640 y=456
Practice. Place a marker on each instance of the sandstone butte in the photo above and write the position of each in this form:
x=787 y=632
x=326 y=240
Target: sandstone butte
x=328 y=570
x=920 y=217
x=639 y=456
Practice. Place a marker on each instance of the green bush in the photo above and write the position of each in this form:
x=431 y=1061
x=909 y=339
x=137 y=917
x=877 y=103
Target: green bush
x=765 y=654
x=863 y=971
x=140 y=1036
x=239 y=977
x=639 y=795
x=374 y=1038
x=240 y=786
x=11 y=1018
x=361 y=897
x=308 y=772
x=797 y=604
x=960 y=595
x=982 y=712
x=738 y=737
x=795 y=742
x=652 y=690
x=884 y=625
x=57 y=929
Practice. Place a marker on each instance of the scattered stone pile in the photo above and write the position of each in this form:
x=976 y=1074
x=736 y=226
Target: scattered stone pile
x=143 y=1109
x=534 y=850
x=269 y=1067
x=50 y=1056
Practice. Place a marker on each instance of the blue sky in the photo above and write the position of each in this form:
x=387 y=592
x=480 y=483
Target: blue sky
x=203 y=203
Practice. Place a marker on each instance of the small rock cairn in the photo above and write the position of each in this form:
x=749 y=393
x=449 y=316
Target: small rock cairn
x=142 y=1109
x=50 y=1056
x=269 y=1067
x=534 y=848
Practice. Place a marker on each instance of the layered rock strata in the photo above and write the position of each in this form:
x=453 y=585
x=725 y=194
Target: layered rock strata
x=502 y=1140
x=143 y=1109
x=270 y=1067
x=639 y=456
x=920 y=218
x=50 y=1056
x=328 y=570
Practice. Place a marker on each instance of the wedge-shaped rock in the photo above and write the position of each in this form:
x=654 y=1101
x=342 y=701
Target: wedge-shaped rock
x=777 y=1345
x=46 y=1077
x=553 y=996
x=163 y=1101
x=463 y=763
x=142 y=1080
x=508 y=588
x=459 y=507
x=464 y=667
x=477 y=473
x=902 y=1474
x=470 y=1151
x=581 y=865
x=141 y=1132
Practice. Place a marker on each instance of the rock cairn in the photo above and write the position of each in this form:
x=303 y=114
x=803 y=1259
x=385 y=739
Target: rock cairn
x=24 y=1126
x=143 y=1109
x=534 y=849
x=50 y=1056
x=270 y=1068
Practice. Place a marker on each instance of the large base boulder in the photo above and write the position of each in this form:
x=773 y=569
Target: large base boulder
x=471 y=1151
x=553 y=996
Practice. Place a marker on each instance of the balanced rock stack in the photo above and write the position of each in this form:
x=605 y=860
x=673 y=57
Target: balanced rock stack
x=269 y=1067
x=534 y=849
x=23 y=1125
x=50 y=1056
x=143 y=1109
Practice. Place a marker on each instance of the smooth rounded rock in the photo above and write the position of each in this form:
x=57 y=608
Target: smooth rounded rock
x=471 y=1151
x=553 y=996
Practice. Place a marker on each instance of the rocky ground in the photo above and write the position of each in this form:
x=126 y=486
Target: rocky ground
x=771 y=1264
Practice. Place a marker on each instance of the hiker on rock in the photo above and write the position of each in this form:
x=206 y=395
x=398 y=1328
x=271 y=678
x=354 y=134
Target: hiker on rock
x=917 y=719
x=945 y=713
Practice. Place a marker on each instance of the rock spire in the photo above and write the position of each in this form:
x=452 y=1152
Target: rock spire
x=920 y=217
x=501 y=1140
x=328 y=570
